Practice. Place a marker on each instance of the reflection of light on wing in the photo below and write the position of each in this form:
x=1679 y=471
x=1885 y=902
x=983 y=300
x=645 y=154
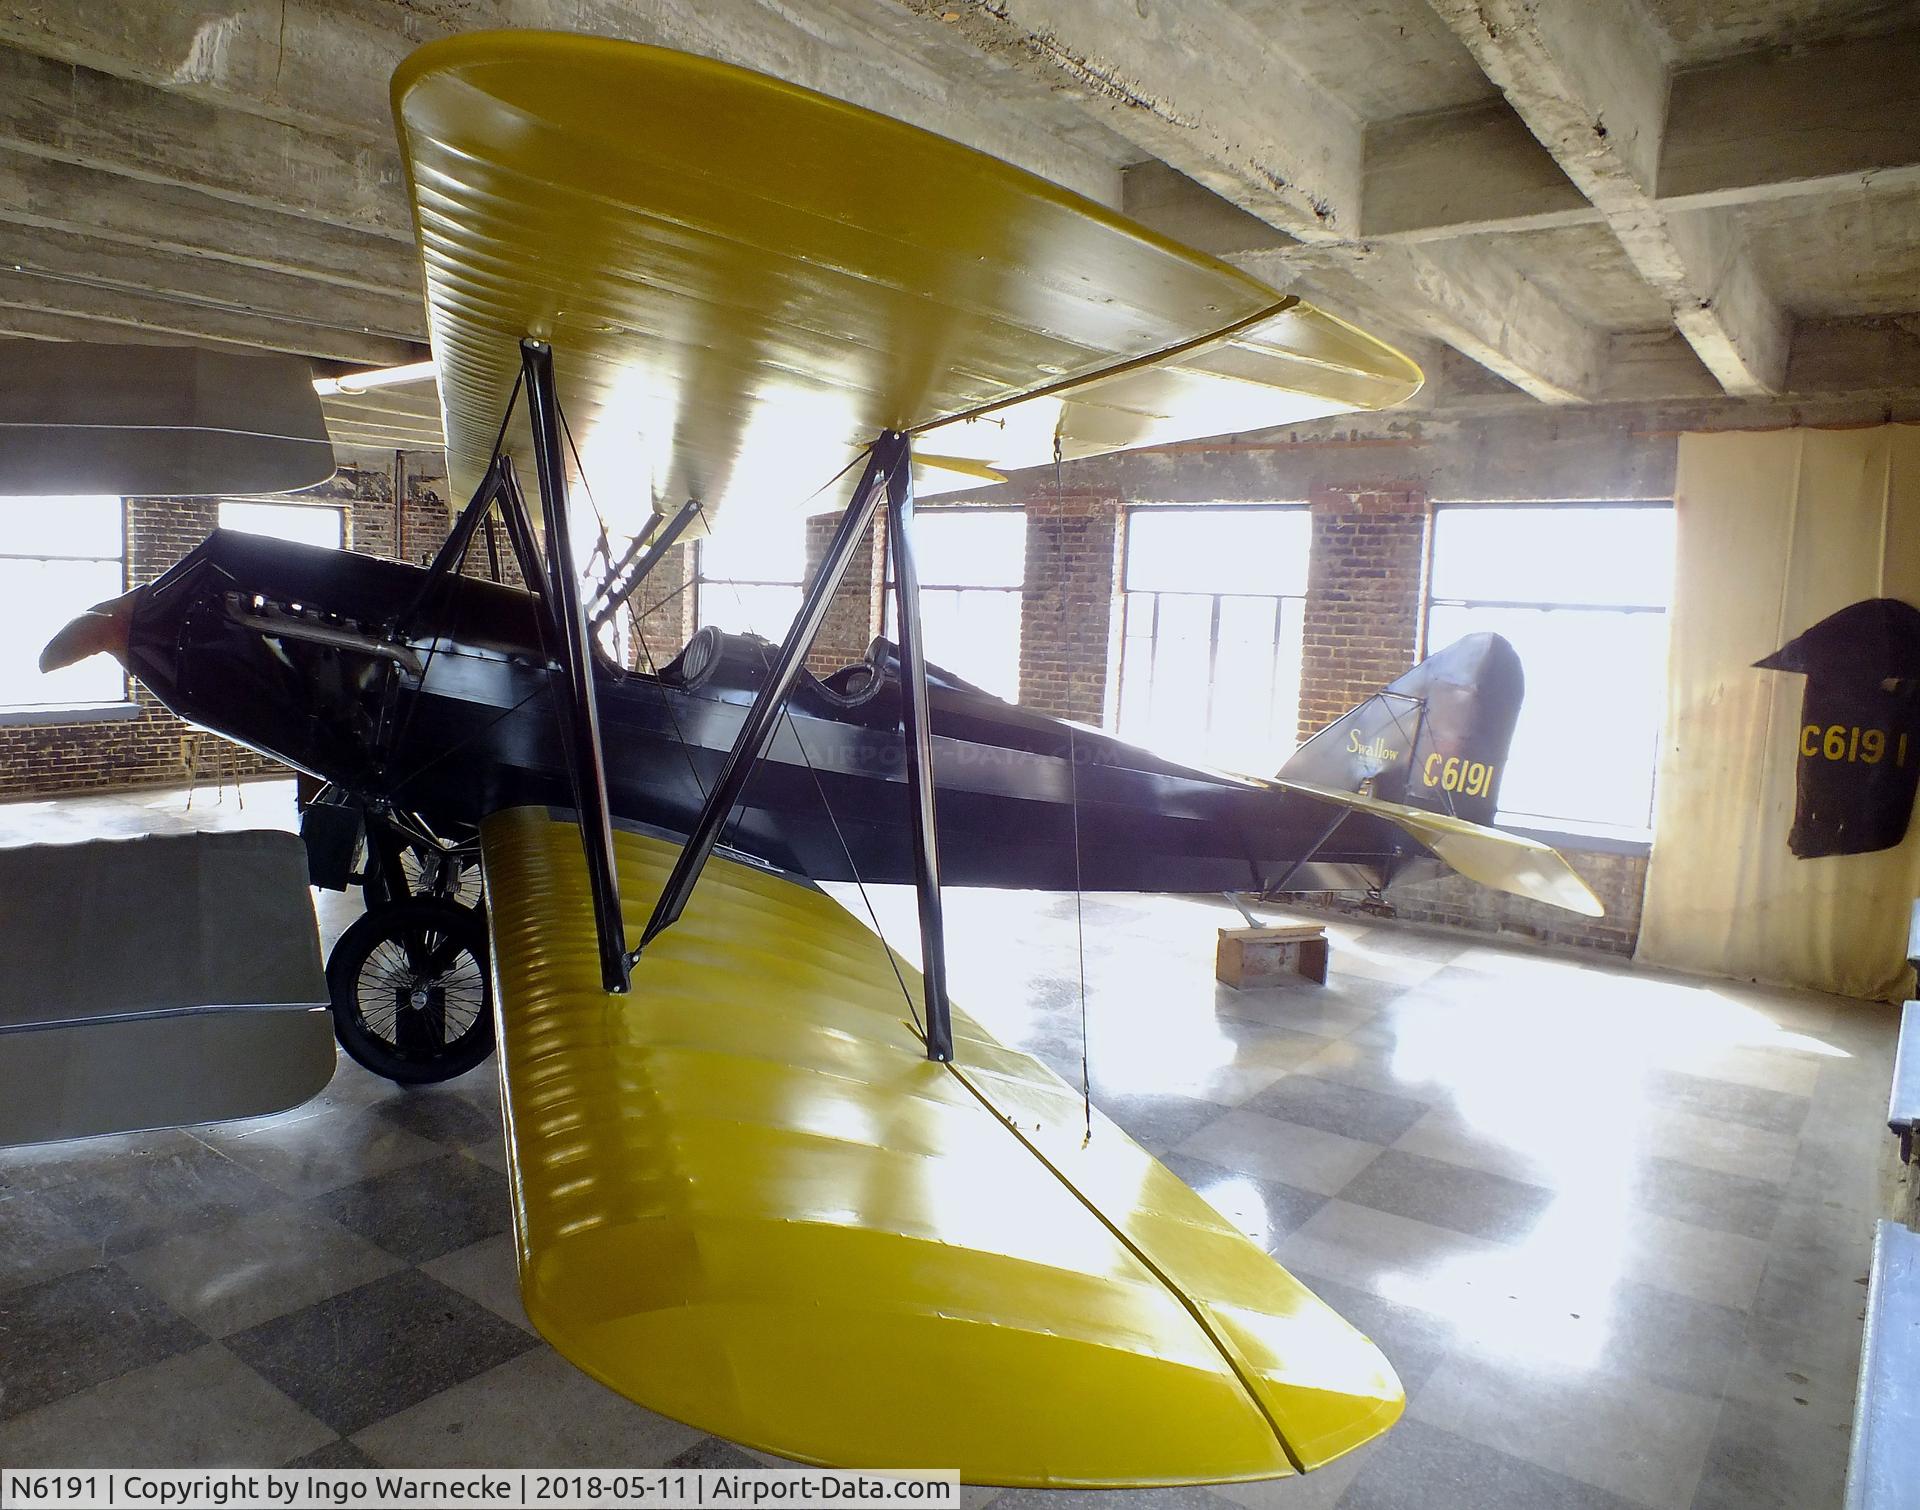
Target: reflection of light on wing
x=624 y=453
x=1241 y=1201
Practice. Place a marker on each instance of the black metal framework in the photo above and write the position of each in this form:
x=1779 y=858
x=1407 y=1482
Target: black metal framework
x=637 y=562
x=888 y=478
x=585 y=756
x=453 y=550
x=1012 y=594
x=920 y=783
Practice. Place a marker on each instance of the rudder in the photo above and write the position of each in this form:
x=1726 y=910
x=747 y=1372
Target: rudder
x=1435 y=738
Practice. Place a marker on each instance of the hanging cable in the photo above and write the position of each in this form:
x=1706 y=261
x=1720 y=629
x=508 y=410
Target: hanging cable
x=1079 y=912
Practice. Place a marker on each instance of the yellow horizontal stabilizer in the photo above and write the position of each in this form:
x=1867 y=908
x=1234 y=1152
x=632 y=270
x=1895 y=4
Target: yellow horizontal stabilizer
x=1506 y=862
x=963 y=466
x=745 y=281
x=745 y=1199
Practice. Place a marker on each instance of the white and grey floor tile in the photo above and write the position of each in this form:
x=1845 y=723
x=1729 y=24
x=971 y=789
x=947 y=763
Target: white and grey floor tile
x=423 y=1210
x=1266 y=1210
x=309 y=1156
x=237 y=1273
x=535 y=1410
x=80 y=1329
x=199 y=1409
x=1609 y=1226
x=361 y=1356
x=1333 y=1106
x=486 y=1271
x=1472 y=1201
x=1629 y=1437
x=1303 y=1157
x=1419 y=1466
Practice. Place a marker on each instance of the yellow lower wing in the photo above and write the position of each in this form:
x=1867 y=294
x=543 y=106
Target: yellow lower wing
x=745 y=1199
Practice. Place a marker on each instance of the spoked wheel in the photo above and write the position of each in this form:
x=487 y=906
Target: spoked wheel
x=411 y=996
x=428 y=873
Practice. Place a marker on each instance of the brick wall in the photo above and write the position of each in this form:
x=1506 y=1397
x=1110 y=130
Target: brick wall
x=662 y=610
x=1618 y=879
x=152 y=747
x=1365 y=591
x=1068 y=640
x=857 y=611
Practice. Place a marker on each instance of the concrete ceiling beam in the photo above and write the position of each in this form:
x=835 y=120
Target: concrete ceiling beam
x=58 y=196
x=1811 y=120
x=322 y=67
x=72 y=114
x=1204 y=89
x=1821 y=119
x=191 y=280
x=113 y=311
x=1591 y=83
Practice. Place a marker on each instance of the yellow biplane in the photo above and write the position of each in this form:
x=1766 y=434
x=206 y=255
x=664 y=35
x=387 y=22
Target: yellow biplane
x=766 y=1179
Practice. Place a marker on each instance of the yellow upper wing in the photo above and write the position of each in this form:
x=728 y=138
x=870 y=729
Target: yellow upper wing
x=745 y=1198
x=744 y=281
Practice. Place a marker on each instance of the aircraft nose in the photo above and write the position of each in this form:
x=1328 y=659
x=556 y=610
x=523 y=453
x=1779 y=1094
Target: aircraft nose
x=105 y=626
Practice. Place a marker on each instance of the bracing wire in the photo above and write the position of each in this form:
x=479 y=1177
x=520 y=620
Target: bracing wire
x=819 y=786
x=846 y=850
x=666 y=701
x=426 y=668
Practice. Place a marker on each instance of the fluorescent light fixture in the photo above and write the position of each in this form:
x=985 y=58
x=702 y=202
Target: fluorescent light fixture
x=377 y=377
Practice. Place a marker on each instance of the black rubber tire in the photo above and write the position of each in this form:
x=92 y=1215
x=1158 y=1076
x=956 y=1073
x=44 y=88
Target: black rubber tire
x=375 y=956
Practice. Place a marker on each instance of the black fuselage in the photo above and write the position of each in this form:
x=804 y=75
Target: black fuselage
x=436 y=694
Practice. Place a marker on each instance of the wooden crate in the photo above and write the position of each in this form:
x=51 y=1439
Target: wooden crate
x=1257 y=956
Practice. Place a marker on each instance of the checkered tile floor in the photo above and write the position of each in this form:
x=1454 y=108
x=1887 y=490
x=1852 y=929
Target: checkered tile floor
x=1611 y=1228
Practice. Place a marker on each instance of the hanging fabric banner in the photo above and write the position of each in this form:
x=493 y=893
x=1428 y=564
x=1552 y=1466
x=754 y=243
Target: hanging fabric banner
x=1769 y=862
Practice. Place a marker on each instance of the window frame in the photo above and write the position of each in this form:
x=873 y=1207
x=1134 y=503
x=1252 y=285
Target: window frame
x=701 y=581
x=338 y=510
x=1126 y=592
x=1586 y=833
x=14 y=715
x=889 y=621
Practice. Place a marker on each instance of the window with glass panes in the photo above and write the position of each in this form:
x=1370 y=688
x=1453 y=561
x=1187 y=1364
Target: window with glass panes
x=1214 y=598
x=58 y=557
x=1581 y=591
x=750 y=576
x=972 y=566
x=304 y=523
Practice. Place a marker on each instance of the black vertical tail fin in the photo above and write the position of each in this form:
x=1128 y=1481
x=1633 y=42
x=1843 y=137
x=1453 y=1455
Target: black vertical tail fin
x=1435 y=738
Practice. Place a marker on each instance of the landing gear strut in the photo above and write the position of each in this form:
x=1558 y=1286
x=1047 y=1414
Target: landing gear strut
x=412 y=996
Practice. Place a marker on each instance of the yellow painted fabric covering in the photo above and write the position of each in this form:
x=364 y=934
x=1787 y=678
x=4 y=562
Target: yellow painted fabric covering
x=745 y=1199
x=744 y=280
x=1512 y=863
